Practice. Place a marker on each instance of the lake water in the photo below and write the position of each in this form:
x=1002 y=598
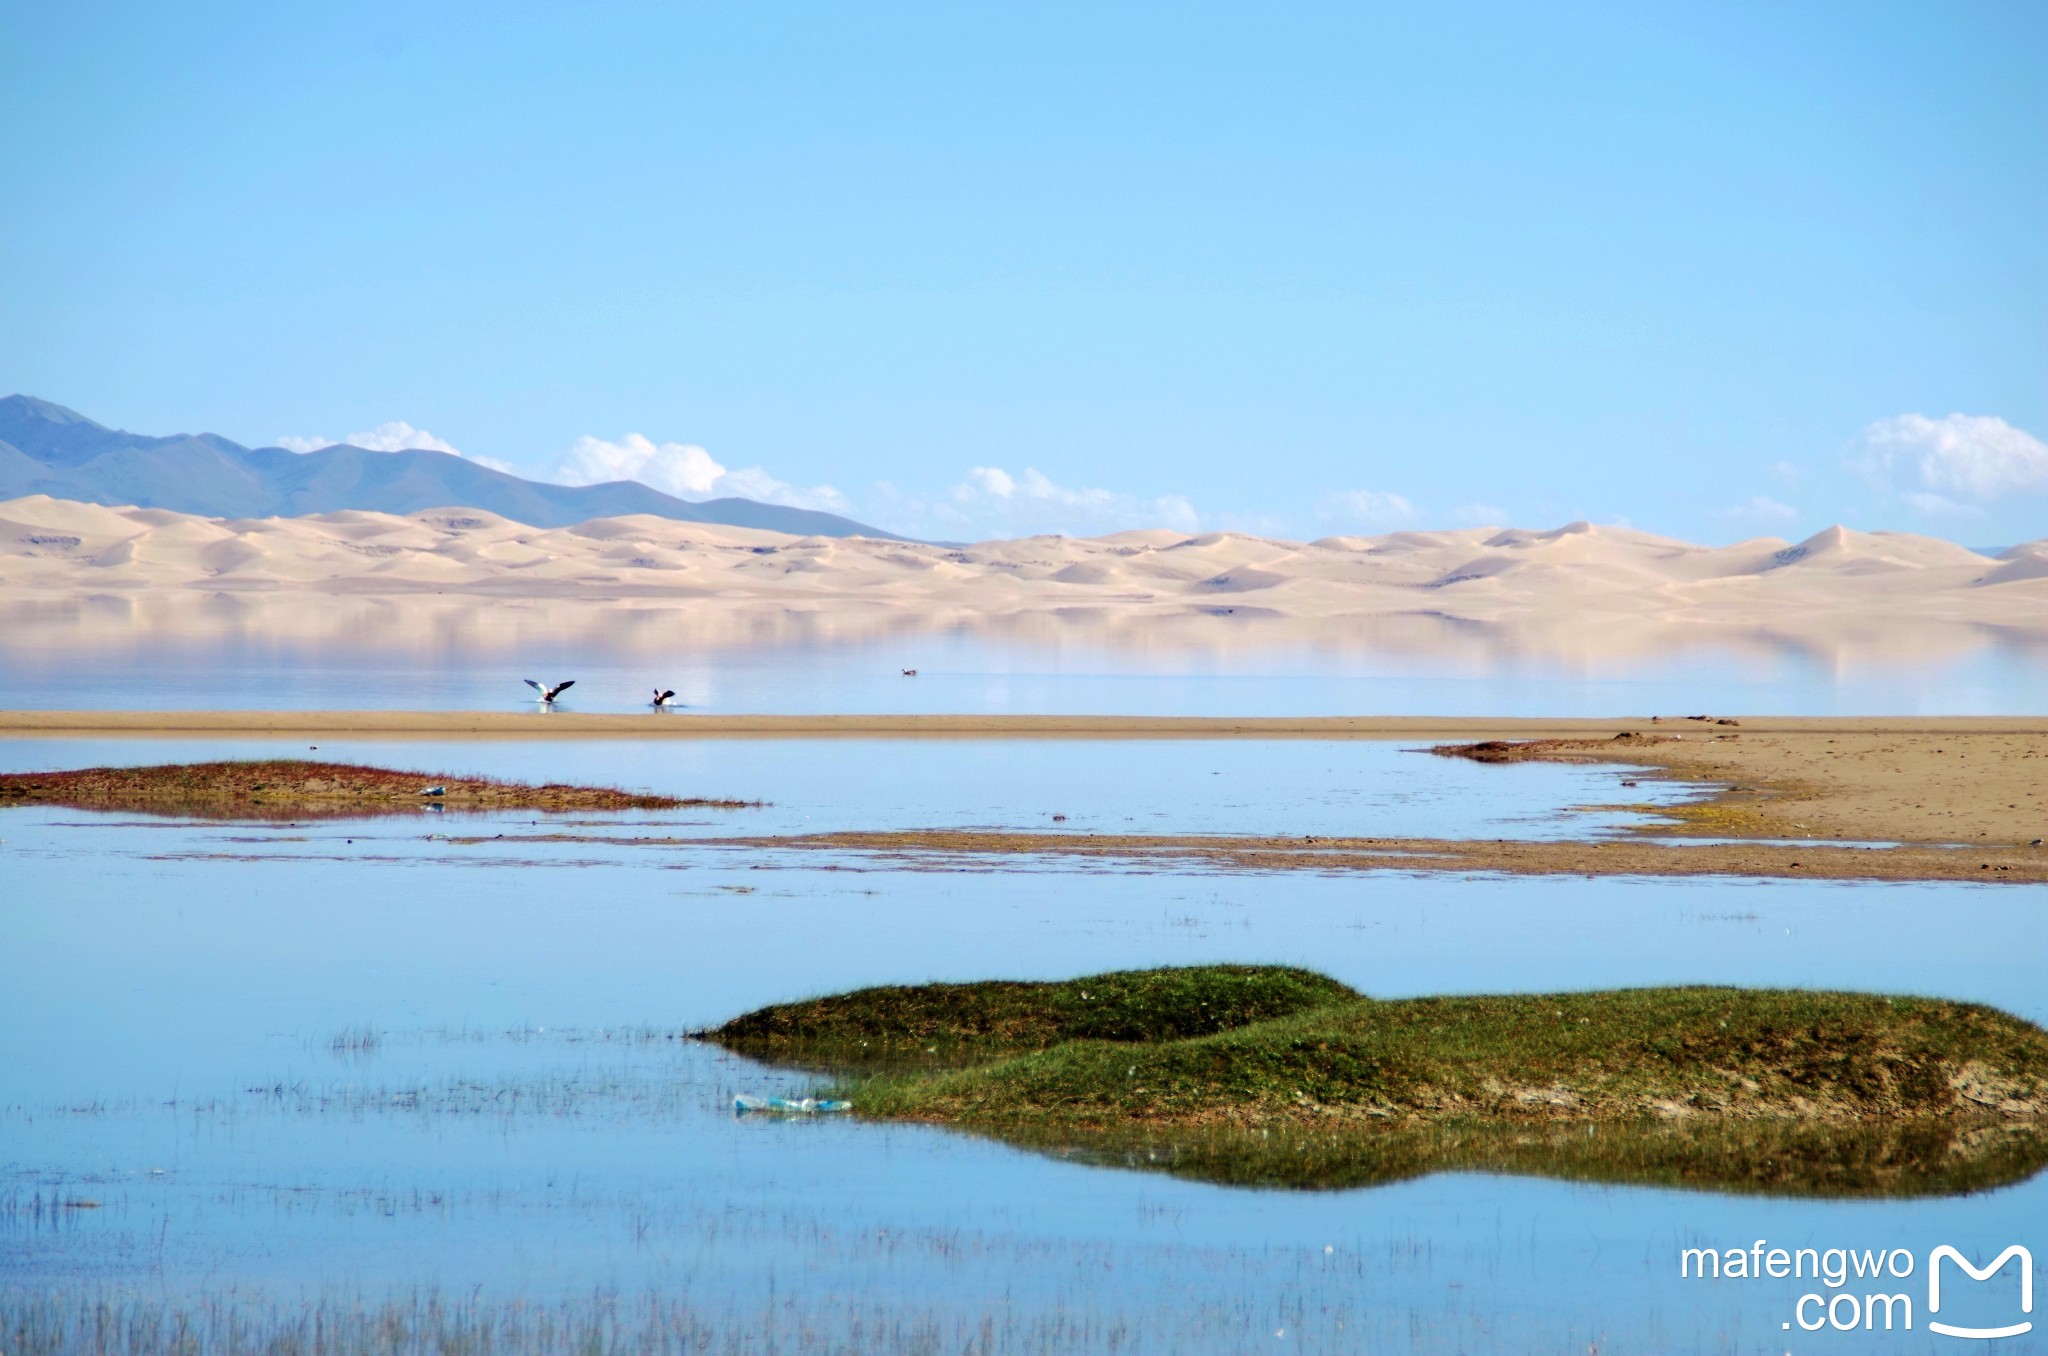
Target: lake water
x=439 y=1083
x=1370 y=788
x=1459 y=671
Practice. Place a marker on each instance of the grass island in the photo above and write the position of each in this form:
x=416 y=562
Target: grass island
x=1278 y=1076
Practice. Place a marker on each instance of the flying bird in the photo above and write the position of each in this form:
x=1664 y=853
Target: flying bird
x=662 y=697
x=548 y=694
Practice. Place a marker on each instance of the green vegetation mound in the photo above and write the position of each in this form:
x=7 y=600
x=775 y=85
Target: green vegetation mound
x=996 y=1017
x=1271 y=1076
x=1664 y=1053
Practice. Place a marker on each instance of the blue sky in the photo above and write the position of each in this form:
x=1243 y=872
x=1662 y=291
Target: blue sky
x=1715 y=270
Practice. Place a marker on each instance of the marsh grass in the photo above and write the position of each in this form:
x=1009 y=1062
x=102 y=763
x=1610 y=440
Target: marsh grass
x=1706 y=817
x=434 y=1324
x=355 y=1041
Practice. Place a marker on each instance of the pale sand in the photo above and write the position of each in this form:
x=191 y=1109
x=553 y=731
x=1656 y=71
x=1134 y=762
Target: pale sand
x=79 y=573
x=1961 y=799
x=970 y=850
x=1967 y=782
x=1974 y=780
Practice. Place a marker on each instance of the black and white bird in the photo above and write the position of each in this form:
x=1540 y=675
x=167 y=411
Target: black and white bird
x=548 y=694
x=662 y=697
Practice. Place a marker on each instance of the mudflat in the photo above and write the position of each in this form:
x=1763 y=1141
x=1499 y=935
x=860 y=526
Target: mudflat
x=966 y=849
x=1944 y=798
x=1859 y=799
x=299 y=787
x=1961 y=782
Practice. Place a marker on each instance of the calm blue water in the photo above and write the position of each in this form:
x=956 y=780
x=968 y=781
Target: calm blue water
x=1373 y=788
x=171 y=995
x=1474 y=672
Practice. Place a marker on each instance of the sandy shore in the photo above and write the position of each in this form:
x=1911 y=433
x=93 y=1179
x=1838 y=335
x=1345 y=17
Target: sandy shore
x=1966 y=783
x=538 y=724
x=1963 y=795
x=968 y=851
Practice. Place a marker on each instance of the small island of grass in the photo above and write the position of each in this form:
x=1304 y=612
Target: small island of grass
x=302 y=788
x=1284 y=1077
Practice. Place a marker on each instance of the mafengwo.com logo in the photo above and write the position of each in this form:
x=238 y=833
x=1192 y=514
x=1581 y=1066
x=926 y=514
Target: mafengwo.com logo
x=1873 y=1289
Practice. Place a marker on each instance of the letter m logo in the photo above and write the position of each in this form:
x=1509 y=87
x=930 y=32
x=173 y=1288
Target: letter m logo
x=1934 y=1260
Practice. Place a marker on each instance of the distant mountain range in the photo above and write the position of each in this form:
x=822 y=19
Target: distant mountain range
x=47 y=449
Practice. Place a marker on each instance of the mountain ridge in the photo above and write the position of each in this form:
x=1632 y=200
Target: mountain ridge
x=46 y=448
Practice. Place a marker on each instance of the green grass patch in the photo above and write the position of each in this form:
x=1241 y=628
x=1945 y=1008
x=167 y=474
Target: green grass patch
x=1267 y=1075
x=971 y=1023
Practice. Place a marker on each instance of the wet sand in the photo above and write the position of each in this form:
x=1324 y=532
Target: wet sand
x=1962 y=795
x=967 y=850
x=1949 y=783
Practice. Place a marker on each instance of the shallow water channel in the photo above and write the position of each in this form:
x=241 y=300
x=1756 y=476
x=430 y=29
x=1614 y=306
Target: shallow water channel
x=349 y=1068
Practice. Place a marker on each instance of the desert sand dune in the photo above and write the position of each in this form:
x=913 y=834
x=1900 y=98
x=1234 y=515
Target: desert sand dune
x=1576 y=587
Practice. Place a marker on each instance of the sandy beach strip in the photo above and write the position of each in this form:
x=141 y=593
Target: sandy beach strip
x=384 y=724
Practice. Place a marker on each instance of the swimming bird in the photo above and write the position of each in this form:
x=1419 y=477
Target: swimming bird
x=662 y=697
x=548 y=694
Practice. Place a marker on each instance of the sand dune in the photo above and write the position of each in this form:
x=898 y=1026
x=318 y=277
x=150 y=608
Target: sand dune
x=60 y=559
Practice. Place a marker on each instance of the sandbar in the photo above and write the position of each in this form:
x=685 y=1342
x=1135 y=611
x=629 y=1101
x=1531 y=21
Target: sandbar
x=1945 y=797
x=261 y=788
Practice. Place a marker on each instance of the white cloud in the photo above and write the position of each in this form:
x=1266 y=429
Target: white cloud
x=993 y=480
x=1479 y=515
x=1034 y=501
x=675 y=468
x=1942 y=465
x=1761 y=508
x=993 y=502
x=1787 y=474
x=686 y=471
x=1940 y=506
x=393 y=435
x=1371 y=508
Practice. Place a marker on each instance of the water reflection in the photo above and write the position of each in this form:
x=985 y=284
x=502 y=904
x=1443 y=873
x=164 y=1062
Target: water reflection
x=1902 y=1159
x=1356 y=787
x=470 y=658
x=436 y=1086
